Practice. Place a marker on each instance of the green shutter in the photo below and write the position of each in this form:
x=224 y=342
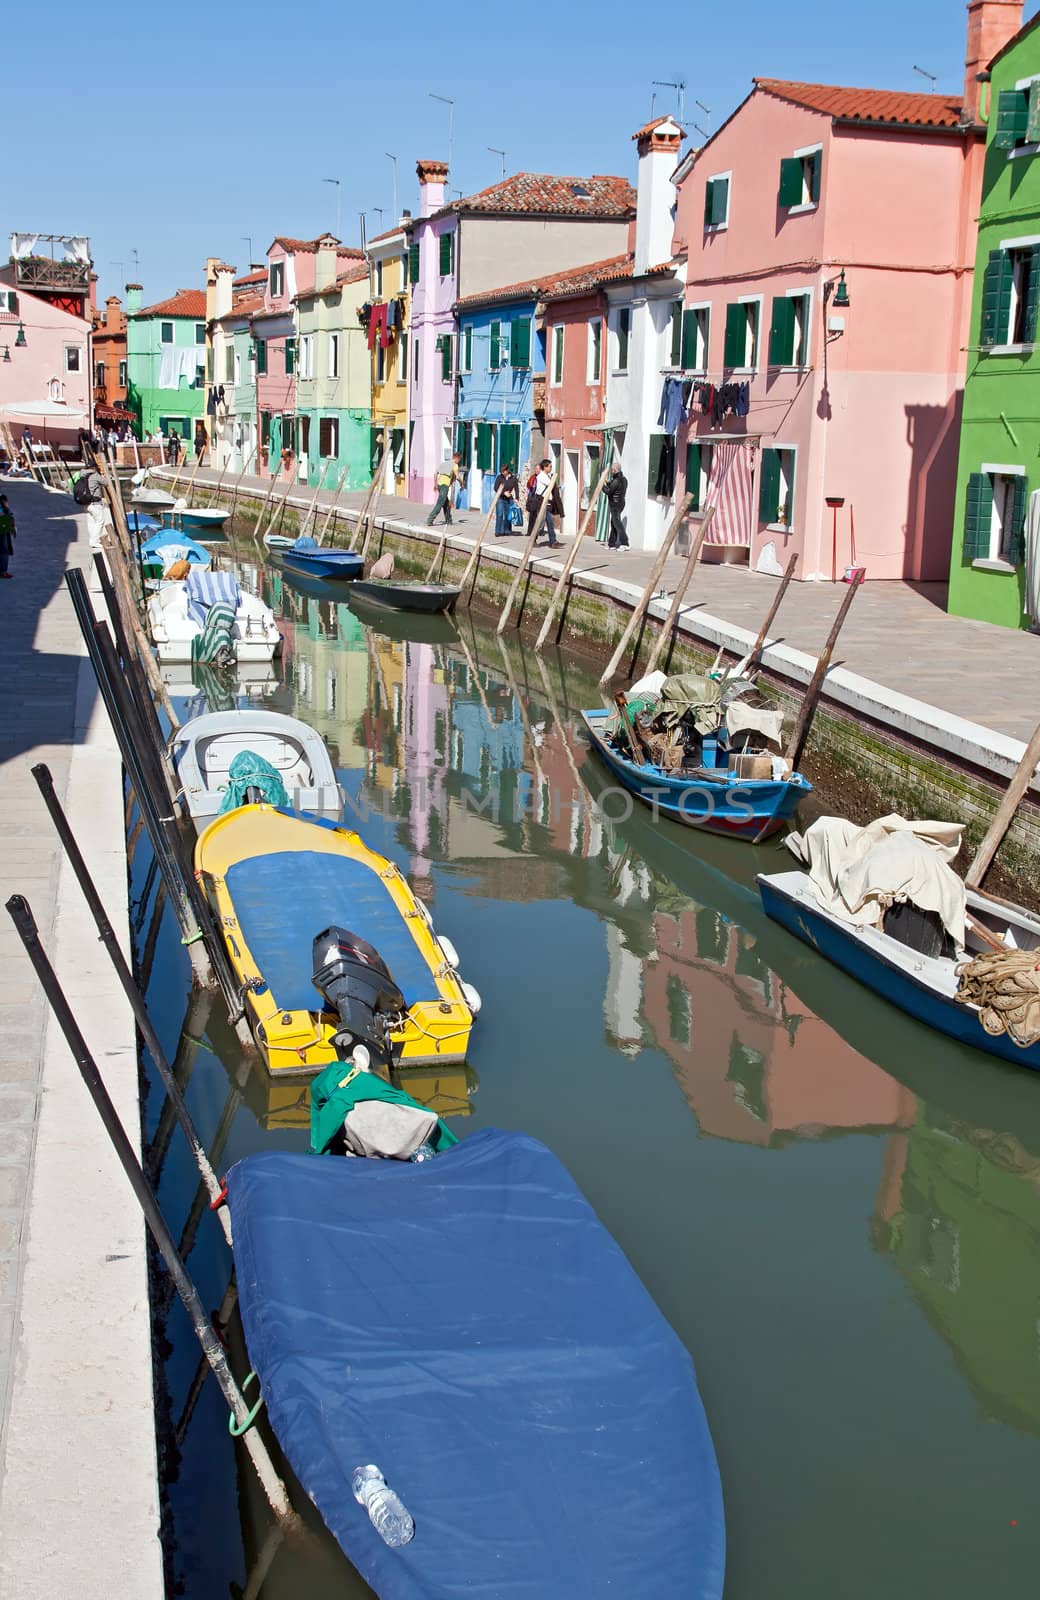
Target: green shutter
x=464 y=442
x=520 y=342
x=791 y=176
x=996 y=298
x=978 y=517
x=689 y=340
x=769 y=487
x=557 y=342
x=781 y=332
x=445 y=344
x=290 y=357
x=693 y=474
x=735 y=344
x=509 y=444
x=716 y=201
x=467 y=350
x=484 y=446
x=677 y=330
x=1012 y=118
x=1033 y=115
x=656 y=446
x=413 y=263
x=495 y=346
x=1015 y=533
x=1032 y=296
x=447 y=253
x=707 y=204
x=814 y=175
x=261 y=356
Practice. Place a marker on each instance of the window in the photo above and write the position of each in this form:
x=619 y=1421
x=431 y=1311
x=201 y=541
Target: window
x=200 y=333
x=99 y=374
x=716 y=201
x=261 y=357
x=675 y=343
x=276 y=279
x=303 y=425
x=741 y=346
x=200 y=375
x=166 y=333
x=402 y=359
x=789 y=330
x=379 y=279
x=695 y=326
x=397 y=451
x=447 y=254
x=73 y=358
x=122 y=374
x=624 y=334
x=328 y=437
x=229 y=363
x=486 y=441
x=776 y=487
x=238 y=366
x=415 y=362
x=557 y=355
x=466 y=349
x=594 y=358
x=1010 y=293
x=995 y=515
x=9 y=301
x=380 y=362
x=333 y=368
x=509 y=445
x=494 y=347
x=413 y=263
x=209 y=365
x=800 y=179
x=168 y=425
x=1018 y=117
x=290 y=357
x=444 y=344
x=520 y=342
x=661 y=469
x=589 y=472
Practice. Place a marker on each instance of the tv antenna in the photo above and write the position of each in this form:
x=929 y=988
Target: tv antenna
x=443 y=98
x=932 y=79
x=492 y=151
x=680 y=89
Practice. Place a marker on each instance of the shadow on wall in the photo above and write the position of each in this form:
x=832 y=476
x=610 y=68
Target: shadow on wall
x=933 y=434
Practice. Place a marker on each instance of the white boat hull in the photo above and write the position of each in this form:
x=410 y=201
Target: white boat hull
x=205 y=747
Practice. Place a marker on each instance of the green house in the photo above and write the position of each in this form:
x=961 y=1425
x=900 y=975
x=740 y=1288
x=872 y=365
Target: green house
x=166 y=362
x=999 y=464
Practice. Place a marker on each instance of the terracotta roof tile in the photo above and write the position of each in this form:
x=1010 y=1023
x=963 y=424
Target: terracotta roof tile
x=909 y=109
x=250 y=277
x=244 y=307
x=390 y=233
x=185 y=303
x=556 y=285
x=539 y=193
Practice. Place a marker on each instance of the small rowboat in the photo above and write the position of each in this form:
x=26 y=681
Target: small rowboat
x=475 y=1300
x=922 y=985
x=162 y=549
x=205 y=747
x=276 y=881
x=197 y=519
x=306 y=555
x=711 y=798
x=429 y=598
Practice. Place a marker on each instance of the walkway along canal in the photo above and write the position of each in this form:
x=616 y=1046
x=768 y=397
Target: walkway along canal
x=838 y=1211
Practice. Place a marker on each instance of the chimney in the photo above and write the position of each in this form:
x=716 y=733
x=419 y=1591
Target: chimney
x=133 y=298
x=658 y=148
x=433 y=175
x=991 y=23
x=221 y=301
x=113 y=310
x=325 y=262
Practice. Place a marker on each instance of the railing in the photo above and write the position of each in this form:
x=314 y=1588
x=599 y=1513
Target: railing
x=40 y=272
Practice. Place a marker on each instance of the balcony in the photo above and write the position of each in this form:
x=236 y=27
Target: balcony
x=39 y=274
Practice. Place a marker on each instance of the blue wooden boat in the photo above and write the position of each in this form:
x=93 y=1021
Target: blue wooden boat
x=467 y=1326
x=923 y=986
x=198 y=519
x=708 y=797
x=306 y=555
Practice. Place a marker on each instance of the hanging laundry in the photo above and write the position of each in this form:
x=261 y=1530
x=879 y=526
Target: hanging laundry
x=671 y=405
x=743 y=405
x=377 y=327
x=393 y=314
x=687 y=399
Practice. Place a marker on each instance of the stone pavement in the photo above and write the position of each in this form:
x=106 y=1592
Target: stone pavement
x=75 y=1337
x=897 y=634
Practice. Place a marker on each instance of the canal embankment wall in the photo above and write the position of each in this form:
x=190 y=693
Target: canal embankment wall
x=875 y=745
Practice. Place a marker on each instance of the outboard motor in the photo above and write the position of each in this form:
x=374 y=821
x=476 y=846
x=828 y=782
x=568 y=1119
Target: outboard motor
x=355 y=980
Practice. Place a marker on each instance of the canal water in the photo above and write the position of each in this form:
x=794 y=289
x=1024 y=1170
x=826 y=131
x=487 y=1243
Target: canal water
x=837 y=1211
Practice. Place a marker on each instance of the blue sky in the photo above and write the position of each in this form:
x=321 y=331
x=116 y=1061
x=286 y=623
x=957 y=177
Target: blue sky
x=218 y=122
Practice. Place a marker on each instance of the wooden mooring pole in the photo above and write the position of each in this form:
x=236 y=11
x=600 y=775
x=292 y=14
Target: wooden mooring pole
x=471 y=564
x=1020 y=782
x=679 y=596
x=532 y=539
x=804 y=718
x=651 y=584
x=572 y=556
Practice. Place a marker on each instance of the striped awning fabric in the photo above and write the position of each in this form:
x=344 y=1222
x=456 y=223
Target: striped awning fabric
x=729 y=491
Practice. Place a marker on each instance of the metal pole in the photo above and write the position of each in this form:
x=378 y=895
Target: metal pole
x=22 y=917
x=107 y=935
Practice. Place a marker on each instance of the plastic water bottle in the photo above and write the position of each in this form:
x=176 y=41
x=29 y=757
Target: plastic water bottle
x=385 y=1509
x=425 y=1152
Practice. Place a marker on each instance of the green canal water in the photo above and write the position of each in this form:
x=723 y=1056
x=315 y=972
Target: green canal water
x=838 y=1211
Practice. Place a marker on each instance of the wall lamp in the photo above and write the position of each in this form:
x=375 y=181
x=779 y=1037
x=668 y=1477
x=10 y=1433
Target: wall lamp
x=7 y=353
x=19 y=338
x=835 y=292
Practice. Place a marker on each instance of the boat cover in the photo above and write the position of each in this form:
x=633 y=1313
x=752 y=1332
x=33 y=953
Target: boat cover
x=204 y=588
x=247 y=770
x=857 y=873
x=283 y=900
x=336 y=1091
x=469 y=1326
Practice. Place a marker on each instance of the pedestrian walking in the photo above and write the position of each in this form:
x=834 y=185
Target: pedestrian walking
x=173 y=447
x=536 y=494
x=201 y=440
x=509 y=484
x=616 y=489
x=448 y=475
x=7 y=533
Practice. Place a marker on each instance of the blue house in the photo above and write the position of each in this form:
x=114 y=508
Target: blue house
x=499 y=414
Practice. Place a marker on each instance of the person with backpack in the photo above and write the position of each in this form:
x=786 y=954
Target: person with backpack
x=538 y=486
x=509 y=485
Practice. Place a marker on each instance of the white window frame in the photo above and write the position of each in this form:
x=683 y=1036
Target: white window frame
x=379 y=276
x=805 y=155
x=335 y=437
x=750 y=366
x=279 y=268
x=591 y=375
x=381 y=355
x=617 y=369
x=6 y=297
x=122 y=374
x=164 y=323
x=1010 y=247
x=720 y=227
x=997 y=560
x=332 y=364
x=99 y=382
x=557 y=340
x=1025 y=149
x=77 y=351
x=702 y=340
x=787 y=480
x=466 y=348
x=803 y=346
x=305 y=356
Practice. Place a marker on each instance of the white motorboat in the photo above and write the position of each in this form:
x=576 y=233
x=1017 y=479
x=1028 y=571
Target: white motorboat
x=204 y=749
x=181 y=614
x=155 y=498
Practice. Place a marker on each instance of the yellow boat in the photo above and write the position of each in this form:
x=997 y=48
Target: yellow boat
x=275 y=881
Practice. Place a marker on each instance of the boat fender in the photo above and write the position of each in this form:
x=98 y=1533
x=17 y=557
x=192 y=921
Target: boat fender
x=451 y=955
x=473 y=999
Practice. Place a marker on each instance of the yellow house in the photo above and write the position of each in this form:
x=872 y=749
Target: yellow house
x=388 y=346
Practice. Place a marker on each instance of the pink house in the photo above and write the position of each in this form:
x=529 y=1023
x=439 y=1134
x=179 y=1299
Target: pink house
x=44 y=366
x=829 y=239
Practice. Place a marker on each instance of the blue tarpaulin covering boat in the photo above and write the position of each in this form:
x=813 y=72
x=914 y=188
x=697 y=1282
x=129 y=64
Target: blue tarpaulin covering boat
x=162 y=549
x=306 y=555
x=468 y=1325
